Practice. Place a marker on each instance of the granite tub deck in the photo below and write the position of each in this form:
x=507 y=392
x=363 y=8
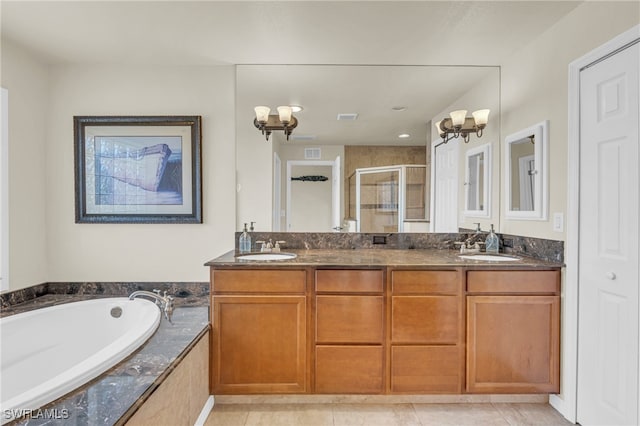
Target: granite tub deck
x=380 y=258
x=113 y=397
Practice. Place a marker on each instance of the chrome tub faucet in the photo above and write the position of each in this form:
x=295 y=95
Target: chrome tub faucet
x=164 y=302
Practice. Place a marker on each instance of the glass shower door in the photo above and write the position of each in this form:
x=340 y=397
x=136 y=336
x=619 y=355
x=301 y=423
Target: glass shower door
x=379 y=204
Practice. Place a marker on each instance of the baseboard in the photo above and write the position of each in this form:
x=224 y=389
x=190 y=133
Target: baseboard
x=206 y=410
x=382 y=399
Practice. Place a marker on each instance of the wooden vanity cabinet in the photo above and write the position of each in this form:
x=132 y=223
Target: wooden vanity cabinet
x=513 y=331
x=349 y=331
x=259 y=339
x=427 y=331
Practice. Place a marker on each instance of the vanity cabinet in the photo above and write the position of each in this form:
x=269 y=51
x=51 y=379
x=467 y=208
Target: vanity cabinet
x=513 y=331
x=259 y=339
x=349 y=331
x=427 y=334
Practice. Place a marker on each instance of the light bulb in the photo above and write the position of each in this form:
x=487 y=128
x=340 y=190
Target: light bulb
x=285 y=113
x=458 y=117
x=262 y=113
x=481 y=117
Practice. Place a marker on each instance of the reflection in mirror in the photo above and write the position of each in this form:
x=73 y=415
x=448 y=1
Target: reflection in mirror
x=526 y=174
x=523 y=172
x=388 y=199
x=478 y=181
x=386 y=101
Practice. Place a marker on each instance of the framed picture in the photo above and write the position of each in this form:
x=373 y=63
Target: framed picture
x=138 y=169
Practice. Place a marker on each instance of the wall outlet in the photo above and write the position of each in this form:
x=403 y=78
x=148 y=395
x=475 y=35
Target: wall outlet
x=379 y=239
x=558 y=222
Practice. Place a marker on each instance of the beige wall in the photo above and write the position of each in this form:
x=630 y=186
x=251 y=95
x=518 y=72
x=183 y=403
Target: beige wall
x=27 y=82
x=535 y=88
x=46 y=244
x=110 y=252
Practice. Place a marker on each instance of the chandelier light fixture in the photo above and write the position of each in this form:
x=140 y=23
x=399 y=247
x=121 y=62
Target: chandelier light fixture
x=266 y=123
x=458 y=124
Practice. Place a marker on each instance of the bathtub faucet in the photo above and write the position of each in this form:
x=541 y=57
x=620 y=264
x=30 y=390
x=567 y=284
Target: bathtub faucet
x=164 y=302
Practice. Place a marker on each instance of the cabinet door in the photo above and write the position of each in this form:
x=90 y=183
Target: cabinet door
x=513 y=344
x=349 y=319
x=425 y=319
x=259 y=344
x=426 y=369
x=349 y=369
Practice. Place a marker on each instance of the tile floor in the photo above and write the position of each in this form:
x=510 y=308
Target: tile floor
x=385 y=414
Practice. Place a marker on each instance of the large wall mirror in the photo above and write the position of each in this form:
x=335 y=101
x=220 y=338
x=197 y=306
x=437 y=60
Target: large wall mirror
x=352 y=118
x=526 y=173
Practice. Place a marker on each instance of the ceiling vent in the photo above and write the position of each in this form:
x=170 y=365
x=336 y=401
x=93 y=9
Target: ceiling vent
x=348 y=117
x=303 y=137
x=312 y=154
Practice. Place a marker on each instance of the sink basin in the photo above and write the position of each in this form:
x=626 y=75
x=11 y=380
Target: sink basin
x=489 y=257
x=267 y=256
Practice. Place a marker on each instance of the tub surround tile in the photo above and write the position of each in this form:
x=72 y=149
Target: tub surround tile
x=113 y=397
x=184 y=293
x=10 y=298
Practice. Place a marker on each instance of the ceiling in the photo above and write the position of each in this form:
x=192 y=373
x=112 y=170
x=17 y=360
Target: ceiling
x=258 y=33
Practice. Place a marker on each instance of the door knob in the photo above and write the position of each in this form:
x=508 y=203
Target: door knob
x=611 y=275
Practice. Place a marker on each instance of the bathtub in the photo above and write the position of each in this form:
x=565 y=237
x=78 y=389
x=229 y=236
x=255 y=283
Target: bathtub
x=48 y=352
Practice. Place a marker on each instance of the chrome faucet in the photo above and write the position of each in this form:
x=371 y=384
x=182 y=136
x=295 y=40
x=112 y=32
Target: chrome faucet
x=473 y=242
x=163 y=301
x=266 y=246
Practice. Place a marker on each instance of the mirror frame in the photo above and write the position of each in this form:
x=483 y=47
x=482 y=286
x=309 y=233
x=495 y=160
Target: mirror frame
x=540 y=132
x=486 y=189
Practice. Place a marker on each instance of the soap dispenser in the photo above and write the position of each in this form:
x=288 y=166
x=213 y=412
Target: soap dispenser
x=492 y=243
x=244 y=244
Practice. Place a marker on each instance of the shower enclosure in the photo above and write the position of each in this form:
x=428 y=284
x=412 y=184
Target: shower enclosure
x=388 y=199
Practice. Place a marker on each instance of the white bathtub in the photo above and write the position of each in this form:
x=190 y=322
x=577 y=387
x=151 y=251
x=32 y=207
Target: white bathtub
x=48 y=352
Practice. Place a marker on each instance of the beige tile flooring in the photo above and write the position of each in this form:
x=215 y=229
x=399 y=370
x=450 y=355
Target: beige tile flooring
x=336 y=414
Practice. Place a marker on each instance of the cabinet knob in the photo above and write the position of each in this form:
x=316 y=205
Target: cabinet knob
x=611 y=275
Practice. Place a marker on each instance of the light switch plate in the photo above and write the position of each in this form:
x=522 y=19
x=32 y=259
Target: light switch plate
x=558 y=222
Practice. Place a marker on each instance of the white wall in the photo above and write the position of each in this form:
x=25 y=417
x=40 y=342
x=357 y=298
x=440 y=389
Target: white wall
x=535 y=88
x=27 y=82
x=110 y=252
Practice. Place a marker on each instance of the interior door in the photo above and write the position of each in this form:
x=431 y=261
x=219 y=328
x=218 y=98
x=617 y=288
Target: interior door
x=608 y=248
x=445 y=200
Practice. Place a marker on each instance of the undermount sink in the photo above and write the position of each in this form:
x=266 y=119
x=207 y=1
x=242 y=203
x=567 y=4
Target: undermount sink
x=267 y=256
x=489 y=257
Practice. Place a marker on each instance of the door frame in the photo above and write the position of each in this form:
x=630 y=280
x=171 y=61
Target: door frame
x=567 y=402
x=335 y=188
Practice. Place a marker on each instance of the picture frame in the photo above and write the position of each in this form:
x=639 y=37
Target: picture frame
x=138 y=169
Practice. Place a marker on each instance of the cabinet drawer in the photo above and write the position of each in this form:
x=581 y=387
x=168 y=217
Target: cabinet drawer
x=426 y=369
x=349 y=281
x=425 y=282
x=425 y=319
x=518 y=282
x=349 y=369
x=258 y=281
x=349 y=319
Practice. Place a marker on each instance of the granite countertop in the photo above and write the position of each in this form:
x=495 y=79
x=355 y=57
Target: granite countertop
x=381 y=258
x=113 y=397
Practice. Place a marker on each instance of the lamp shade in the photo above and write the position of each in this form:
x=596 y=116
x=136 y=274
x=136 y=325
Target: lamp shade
x=458 y=117
x=440 y=131
x=481 y=117
x=262 y=113
x=285 y=113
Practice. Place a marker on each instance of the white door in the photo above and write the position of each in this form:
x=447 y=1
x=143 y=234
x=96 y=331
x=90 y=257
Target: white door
x=608 y=248
x=335 y=195
x=277 y=193
x=4 y=190
x=444 y=204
